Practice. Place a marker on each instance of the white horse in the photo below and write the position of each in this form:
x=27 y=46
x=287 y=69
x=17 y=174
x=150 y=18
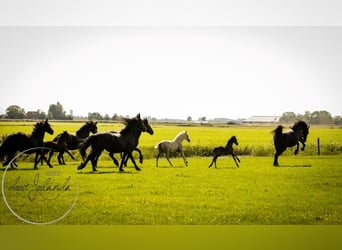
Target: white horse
x=168 y=146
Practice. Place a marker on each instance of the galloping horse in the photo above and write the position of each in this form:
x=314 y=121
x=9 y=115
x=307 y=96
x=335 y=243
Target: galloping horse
x=228 y=149
x=124 y=142
x=298 y=133
x=60 y=146
x=148 y=130
x=19 y=142
x=168 y=146
x=76 y=139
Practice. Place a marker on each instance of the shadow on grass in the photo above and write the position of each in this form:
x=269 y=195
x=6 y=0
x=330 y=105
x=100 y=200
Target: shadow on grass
x=294 y=166
x=169 y=167
x=108 y=172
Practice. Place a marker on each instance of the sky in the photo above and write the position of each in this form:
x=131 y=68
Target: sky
x=171 y=70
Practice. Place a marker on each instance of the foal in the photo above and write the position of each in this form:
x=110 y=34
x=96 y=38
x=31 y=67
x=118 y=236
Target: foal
x=227 y=150
x=60 y=146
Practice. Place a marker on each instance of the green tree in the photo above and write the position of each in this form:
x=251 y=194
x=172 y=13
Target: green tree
x=15 y=112
x=95 y=116
x=288 y=117
x=321 y=117
x=56 y=112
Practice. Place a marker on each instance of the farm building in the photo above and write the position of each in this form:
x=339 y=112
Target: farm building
x=263 y=119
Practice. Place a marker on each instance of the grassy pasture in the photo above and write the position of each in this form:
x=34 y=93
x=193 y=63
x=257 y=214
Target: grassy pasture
x=253 y=140
x=305 y=189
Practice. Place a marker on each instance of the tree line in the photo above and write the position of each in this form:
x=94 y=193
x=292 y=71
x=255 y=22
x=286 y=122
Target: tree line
x=316 y=117
x=57 y=112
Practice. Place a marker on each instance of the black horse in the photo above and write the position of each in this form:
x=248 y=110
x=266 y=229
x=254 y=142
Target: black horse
x=298 y=134
x=20 y=142
x=61 y=146
x=141 y=158
x=124 y=141
x=227 y=150
x=75 y=140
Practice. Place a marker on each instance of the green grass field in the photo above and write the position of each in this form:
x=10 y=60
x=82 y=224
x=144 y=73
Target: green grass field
x=305 y=189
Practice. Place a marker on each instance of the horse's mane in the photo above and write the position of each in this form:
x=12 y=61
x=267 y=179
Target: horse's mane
x=37 y=127
x=300 y=124
x=278 y=131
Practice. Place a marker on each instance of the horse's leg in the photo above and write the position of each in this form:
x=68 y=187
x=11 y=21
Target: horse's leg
x=69 y=153
x=212 y=162
x=133 y=161
x=49 y=158
x=111 y=154
x=159 y=153
x=167 y=157
x=234 y=157
x=44 y=158
x=185 y=161
x=215 y=159
x=297 y=149
x=141 y=158
x=125 y=154
x=303 y=146
x=84 y=163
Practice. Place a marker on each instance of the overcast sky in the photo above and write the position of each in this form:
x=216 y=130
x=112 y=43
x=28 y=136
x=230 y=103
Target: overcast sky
x=173 y=71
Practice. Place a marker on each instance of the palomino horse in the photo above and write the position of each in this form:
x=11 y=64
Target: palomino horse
x=298 y=133
x=227 y=150
x=124 y=142
x=175 y=145
x=75 y=141
x=20 y=142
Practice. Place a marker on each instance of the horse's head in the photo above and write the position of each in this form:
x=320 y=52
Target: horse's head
x=45 y=126
x=65 y=137
x=92 y=126
x=134 y=123
x=148 y=127
x=302 y=128
x=186 y=136
x=234 y=140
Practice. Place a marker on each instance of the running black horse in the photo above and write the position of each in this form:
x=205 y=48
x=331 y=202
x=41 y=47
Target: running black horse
x=20 y=142
x=123 y=142
x=75 y=140
x=141 y=158
x=298 y=134
x=227 y=150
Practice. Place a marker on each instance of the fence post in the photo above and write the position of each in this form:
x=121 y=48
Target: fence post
x=318 y=147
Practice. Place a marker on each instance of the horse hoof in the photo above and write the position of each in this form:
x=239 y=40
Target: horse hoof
x=138 y=169
x=79 y=167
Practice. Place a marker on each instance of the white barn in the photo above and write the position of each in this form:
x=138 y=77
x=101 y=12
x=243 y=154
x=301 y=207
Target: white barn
x=263 y=119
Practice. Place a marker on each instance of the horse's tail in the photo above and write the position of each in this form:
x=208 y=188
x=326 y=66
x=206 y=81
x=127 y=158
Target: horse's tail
x=157 y=146
x=3 y=149
x=86 y=144
x=277 y=132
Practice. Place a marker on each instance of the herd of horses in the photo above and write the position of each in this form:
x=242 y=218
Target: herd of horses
x=124 y=142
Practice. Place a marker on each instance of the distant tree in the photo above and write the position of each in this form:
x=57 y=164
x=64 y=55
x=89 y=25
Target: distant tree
x=94 y=116
x=56 y=112
x=288 y=117
x=115 y=116
x=106 y=117
x=338 y=120
x=189 y=118
x=202 y=119
x=41 y=114
x=15 y=112
x=321 y=117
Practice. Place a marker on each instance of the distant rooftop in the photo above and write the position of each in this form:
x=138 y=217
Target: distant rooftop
x=261 y=119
